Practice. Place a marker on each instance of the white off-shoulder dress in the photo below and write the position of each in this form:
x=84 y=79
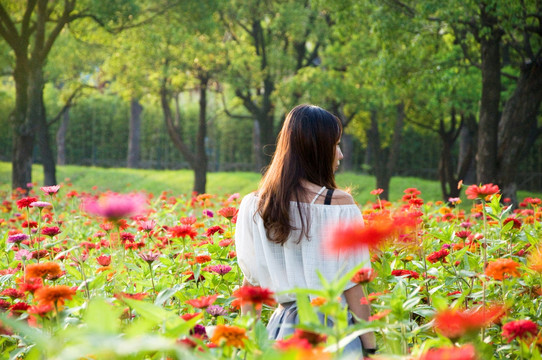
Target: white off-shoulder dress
x=281 y=268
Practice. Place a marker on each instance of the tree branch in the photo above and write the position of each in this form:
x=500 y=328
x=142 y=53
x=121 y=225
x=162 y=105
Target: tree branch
x=25 y=27
x=234 y=116
x=422 y=125
x=69 y=102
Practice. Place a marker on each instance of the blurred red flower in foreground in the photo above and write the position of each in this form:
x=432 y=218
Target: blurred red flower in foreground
x=475 y=191
x=113 y=206
x=465 y=352
x=456 y=323
x=254 y=295
x=523 y=329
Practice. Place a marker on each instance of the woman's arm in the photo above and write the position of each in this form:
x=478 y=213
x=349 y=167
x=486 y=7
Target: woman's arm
x=353 y=297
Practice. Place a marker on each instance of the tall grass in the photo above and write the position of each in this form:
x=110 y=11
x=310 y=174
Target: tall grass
x=181 y=181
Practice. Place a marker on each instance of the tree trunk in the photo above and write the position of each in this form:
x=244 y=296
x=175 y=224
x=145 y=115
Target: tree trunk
x=61 y=137
x=23 y=129
x=486 y=161
x=134 y=134
x=348 y=150
x=36 y=112
x=466 y=163
x=378 y=157
x=518 y=122
x=200 y=167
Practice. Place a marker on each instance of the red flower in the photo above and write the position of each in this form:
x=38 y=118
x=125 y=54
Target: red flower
x=228 y=212
x=25 y=202
x=202 y=302
x=465 y=352
x=213 y=230
x=363 y=276
x=523 y=329
x=13 y=293
x=517 y=222
x=104 y=260
x=202 y=259
x=463 y=234
x=255 y=295
x=136 y=296
x=438 y=256
x=50 y=231
x=407 y=273
x=41 y=309
x=181 y=231
x=456 y=323
x=481 y=192
x=377 y=191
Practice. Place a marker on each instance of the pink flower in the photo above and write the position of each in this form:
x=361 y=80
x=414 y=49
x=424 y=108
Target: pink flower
x=23 y=254
x=113 y=206
x=148 y=256
x=148 y=225
x=40 y=204
x=50 y=190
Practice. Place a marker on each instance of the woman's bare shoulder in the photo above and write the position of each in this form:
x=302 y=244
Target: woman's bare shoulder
x=341 y=197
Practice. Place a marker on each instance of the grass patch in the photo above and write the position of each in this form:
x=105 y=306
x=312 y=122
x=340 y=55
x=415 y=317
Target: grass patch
x=177 y=182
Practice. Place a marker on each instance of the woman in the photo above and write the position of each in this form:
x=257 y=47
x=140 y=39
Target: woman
x=280 y=228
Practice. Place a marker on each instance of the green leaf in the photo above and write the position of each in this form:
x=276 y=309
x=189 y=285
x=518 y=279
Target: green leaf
x=307 y=314
x=102 y=317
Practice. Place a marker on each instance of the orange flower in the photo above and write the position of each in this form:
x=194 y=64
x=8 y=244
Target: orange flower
x=481 y=192
x=255 y=295
x=54 y=295
x=318 y=301
x=535 y=260
x=201 y=259
x=502 y=268
x=363 y=276
x=229 y=335
x=42 y=270
x=181 y=231
x=379 y=315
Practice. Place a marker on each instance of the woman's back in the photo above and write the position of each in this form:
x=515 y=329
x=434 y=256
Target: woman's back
x=296 y=262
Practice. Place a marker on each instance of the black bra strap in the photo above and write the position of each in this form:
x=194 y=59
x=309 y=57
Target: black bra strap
x=329 y=194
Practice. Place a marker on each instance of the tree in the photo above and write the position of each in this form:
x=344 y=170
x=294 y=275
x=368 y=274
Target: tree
x=31 y=28
x=268 y=42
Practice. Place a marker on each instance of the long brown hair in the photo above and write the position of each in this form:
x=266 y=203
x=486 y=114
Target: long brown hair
x=305 y=150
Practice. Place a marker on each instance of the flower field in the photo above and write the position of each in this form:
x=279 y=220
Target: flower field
x=89 y=275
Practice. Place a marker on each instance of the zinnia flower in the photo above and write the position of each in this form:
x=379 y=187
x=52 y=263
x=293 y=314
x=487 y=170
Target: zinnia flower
x=42 y=270
x=438 y=256
x=228 y=212
x=465 y=352
x=149 y=256
x=407 y=273
x=182 y=231
x=50 y=231
x=25 y=202
x=255 y=295
x=377 y=192
x=202 y=302
x=113 y=206
x=535 y=260
x=456 y=323
x=13 y=293
x=220 y=269
x=363 y=276
x=523 y=329
x=502 y=268
x=40 y=204
x=104 y=260
x=50 y=190
x=54 y=295
x=481 y=192
x=17 y=238
x=216 y=310
x=229 y=335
